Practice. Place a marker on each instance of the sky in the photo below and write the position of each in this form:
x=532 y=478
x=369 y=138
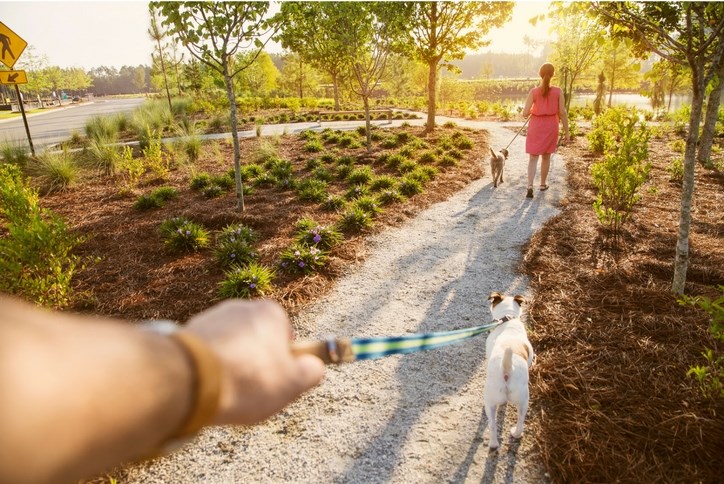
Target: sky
x=92 y=33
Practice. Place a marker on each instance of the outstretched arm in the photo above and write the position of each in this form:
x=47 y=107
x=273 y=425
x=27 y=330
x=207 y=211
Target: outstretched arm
x=528 y=104
x=563 y=115
x=81 y=394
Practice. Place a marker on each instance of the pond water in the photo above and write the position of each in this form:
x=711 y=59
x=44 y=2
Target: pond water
x=621 y=99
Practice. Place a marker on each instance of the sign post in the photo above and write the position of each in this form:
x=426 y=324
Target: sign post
x=11 y=46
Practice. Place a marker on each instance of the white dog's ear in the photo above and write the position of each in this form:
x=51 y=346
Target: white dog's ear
x=495 y=297
x=519 y=299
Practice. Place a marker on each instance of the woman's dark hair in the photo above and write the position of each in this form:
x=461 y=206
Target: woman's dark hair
x=546 y=72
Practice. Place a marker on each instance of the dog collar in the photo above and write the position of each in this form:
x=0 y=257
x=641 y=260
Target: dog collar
x=505 y=319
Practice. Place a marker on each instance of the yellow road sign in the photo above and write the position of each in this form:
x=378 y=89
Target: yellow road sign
x=11 y=46
x=13 y=77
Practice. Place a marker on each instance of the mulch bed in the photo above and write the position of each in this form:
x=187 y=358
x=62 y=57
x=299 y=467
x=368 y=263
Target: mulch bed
x=135 y=278
x=612 y=401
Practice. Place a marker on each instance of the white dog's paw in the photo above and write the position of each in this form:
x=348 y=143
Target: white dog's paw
x=514 y=432
x=493 y=445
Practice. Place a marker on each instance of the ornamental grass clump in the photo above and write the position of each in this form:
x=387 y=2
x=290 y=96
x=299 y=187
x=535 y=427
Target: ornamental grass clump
x=356 y=192
x=301 y=259
x=323 y=174
x=360 y=176
x=252 y=280
x=314 y=235
x=234 y=245
x=390 y=196
x=460 y=141
x=249 y=172
x=410 y=186
x=369 y=205
x=200 y=181
x=406 y=166
x=354 y=220
x=156 y=198
x=428 y=157
x=313 y=146
x=382 y=182
x=334 y=203
x=182 y=235
x=312 y=190
x=57 y=171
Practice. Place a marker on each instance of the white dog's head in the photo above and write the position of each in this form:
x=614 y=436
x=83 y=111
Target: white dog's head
x=502 y=306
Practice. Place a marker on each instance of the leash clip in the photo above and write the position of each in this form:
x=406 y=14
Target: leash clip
x=332 y=351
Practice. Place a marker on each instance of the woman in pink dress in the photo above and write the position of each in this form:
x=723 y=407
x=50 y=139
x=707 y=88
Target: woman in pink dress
x=546 y=107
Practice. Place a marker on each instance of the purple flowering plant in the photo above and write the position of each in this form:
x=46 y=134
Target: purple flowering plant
x=252 y=280
x=302 y=259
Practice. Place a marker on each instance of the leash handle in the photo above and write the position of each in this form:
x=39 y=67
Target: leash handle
x=330 y=351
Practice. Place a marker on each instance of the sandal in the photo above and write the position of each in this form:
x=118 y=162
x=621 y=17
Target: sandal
x=530 y=193
x=544 y=188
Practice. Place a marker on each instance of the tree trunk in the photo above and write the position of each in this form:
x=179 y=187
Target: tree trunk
x=681 y=262
x=335 y=83
x=301 y=78
x=234 y=138
x=431 y=95
x=712 y=112
x=163 y=70
x=368 y=123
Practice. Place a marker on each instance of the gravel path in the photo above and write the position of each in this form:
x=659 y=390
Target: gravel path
x=416 y=418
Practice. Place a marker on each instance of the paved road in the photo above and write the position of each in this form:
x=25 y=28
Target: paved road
x=56 y=125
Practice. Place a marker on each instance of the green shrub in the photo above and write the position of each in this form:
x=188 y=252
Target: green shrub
x=234 y=246
x=406 y=166
x=356 y=191
x=312 y=163
x=103 y=155
x=428 y=157
x=154 y=156
x=343 y=171
x=448 y=160
x=323 y=174
x=460 y=141
x=676 y=170
x=382 y=182
x=710 y=376
x=312 y=190
x=101 y=128
x=368 y=204
x=301 y=259
x=225 y=181
x=622 y=172
x=253 y=280
x=36 y=252
x=200 y=180
x=249 y=171
x=12 y=153
x=393 y=161
x=212 y=191
x=410 y=186
x=390 y=196
x=334 y=203
x=423 y=173
x=355 y=220
x=389 y=142
x=313 y=146
x=57 y=170
x=319 y=236
x=361 y=176
x=155 y=199
x=182 y=235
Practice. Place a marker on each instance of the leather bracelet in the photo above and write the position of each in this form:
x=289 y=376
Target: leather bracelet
x=206 y=383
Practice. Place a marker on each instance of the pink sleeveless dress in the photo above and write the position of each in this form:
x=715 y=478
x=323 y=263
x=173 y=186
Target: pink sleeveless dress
x=542 y=135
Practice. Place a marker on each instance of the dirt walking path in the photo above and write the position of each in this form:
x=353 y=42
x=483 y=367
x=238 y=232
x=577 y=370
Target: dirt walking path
x=417 y=418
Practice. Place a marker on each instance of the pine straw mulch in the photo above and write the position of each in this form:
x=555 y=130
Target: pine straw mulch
x=135 y=278
x=612 y=402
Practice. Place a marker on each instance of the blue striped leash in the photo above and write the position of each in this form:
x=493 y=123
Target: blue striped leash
x=347 y=350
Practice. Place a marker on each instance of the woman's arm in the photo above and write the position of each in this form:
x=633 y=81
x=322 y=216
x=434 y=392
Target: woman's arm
x=528 y=104
x=81 y=394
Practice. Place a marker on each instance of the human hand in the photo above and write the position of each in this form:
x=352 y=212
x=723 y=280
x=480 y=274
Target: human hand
x=260 y=376
x=566 y=139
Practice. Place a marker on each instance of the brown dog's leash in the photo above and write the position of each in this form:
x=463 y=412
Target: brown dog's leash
x=519 y=131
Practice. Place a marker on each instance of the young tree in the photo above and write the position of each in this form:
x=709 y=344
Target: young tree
x=687 y=33
x=439 y=32
x=620 y=66
x=310 y=30
x=260 y=78
x=298 y=77
x=578 y=44
x=213 y=33
x=157 y=34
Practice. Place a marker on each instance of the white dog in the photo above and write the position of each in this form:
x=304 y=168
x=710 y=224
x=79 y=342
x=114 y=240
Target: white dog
x=509 y=355
x=497 y=163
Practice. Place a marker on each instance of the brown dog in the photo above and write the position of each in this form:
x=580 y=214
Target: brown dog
x=497 y=162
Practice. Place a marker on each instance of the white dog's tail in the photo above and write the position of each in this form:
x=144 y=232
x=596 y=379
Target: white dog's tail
x=493 y=152
x=507 y=363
